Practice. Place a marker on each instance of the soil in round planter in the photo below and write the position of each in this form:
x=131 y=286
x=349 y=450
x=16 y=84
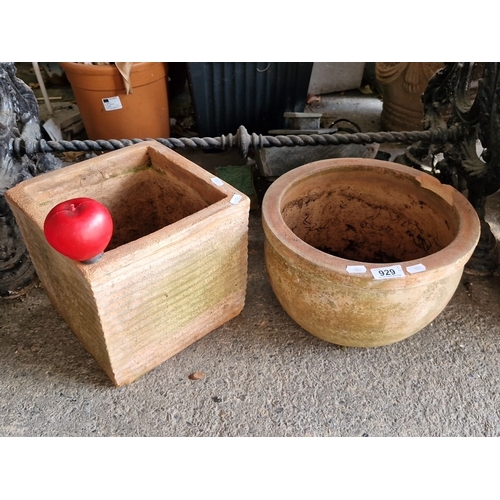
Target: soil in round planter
x=370 y=220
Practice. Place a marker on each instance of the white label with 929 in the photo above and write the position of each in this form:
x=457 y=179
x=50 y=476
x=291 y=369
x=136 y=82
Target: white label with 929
x=387 y=273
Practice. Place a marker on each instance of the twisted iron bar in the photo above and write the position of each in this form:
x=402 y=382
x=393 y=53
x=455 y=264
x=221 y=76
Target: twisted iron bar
x=242 y=140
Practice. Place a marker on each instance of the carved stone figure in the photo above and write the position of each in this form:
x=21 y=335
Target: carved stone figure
x=403 y=84
x=18 y=119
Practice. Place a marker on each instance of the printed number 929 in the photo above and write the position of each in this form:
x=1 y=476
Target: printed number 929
x=386 y=272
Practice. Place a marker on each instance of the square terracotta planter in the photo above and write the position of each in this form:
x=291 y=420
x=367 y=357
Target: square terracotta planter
x=175 y=269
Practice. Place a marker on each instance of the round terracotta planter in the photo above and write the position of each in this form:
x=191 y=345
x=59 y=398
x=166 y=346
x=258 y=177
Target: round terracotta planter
x=365 y=253
x=108 y=112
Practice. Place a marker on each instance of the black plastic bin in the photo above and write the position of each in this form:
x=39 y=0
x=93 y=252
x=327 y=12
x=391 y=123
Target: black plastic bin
x=255 y=95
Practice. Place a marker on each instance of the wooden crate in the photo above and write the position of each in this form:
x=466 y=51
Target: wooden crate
x=175 y=269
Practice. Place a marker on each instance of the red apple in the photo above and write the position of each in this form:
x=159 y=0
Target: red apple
x=80 y=228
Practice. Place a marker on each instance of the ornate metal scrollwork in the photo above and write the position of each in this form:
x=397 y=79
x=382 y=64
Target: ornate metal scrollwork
x=465 y=95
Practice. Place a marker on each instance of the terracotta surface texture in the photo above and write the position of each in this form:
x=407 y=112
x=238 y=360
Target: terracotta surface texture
x=108 y=111
x=175 y=269
x=365 y=253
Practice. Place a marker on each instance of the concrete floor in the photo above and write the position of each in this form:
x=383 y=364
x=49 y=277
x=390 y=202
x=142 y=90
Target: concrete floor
x=264 y=375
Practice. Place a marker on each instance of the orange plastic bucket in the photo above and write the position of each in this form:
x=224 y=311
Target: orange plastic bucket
x=109 y=113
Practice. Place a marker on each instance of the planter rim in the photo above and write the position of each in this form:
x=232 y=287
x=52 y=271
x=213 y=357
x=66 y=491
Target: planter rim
x=105 y=69
x=127 y=253
x=457 y=253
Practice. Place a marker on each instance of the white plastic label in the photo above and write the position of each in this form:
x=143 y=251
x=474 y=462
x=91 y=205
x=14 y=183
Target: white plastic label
x=355 y=269
x=387 y=273
x=417 y=268
x=53 y=129
x=217 y=181
x=235 y=199
x=112 y=103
